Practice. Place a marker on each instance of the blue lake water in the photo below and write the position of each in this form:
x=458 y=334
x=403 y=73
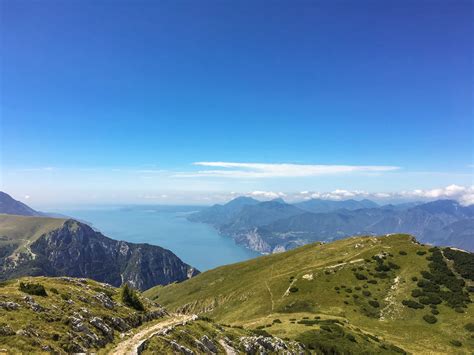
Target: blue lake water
x=195 y=243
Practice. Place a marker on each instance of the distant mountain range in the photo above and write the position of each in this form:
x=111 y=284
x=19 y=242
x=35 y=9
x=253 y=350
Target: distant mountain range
x=275 y=226
x=33 y=245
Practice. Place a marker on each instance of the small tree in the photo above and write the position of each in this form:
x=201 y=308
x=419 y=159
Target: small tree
x=130 y=298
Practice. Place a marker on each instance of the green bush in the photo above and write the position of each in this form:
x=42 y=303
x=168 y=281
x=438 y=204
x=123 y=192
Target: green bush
x=412 y=304
x=130 y=298
x=293 y=289
x=261 y=332
x=372 y=282
x=402 y=252
x=421 y=252
x=435 y=311
x=374 y=304
x=456 y=343
x=54 y=290
x=33 y=289
x=366 y=293
x=277 y=321
x=428 y=318
x=360 y=276
x=469 y=327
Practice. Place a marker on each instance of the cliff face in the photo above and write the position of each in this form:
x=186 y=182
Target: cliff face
x=76 y=250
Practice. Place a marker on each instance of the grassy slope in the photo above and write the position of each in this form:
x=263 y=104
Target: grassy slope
x=22 y=231
x=52 y=325
x=253 y=293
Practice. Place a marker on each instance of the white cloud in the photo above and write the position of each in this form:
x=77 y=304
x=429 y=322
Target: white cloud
x=267 y=194
x=463 y=194
x=259 y=170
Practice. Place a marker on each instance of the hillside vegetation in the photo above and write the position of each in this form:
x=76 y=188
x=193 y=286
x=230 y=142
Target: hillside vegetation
x=389 y=292
x=65 y=315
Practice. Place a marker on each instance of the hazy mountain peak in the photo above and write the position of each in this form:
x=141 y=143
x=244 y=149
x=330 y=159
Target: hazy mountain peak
x=9 y=205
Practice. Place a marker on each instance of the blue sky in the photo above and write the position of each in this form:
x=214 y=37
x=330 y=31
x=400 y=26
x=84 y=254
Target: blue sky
x=116 y=101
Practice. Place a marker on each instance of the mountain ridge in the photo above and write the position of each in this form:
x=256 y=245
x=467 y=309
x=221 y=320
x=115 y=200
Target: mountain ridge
x=33 y=246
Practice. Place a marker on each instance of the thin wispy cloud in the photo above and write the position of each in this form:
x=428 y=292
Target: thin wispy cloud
x=261 y=170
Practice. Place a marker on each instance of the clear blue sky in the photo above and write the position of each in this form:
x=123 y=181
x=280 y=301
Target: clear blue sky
x=94 y=93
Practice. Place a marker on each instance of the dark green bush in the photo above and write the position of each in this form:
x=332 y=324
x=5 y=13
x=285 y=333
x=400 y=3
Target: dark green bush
x=372 y=282
x=277 y=321
x=54 y=290
x=402 y=252
x=412 y=304
x=416 y=292
x=130 y=298
x=35 y=289
x=374 y=304
x=366 y=293
x=434 y=311
x=469 y=327
x=463 y=262
x=421 y=252
x=293 y=289
x=456 y=343
x=261 y=332
x=414 y=278
x=360 y=276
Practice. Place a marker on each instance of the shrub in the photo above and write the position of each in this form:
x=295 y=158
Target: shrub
x=33 y=289
x=469 y=327
x=360 y=276
x=277 y=321
x=131 y=299
x=412 y=304
x=374 y=304
x=393 y=266
x=416 y=293
x=428 y=318
x=358 y=288
x=348 y=290
x=382 y=267
x=372 y=282
x=456 y=343
x=65 y=296
x=351 y=337
x=434 y=311
x=54 y=290
x=293 y=289
x=463 y=262
x=261 y=332
x=459 y=310
x=366 y=293
x=402 y=252
x=414 y=278
x=420 y=252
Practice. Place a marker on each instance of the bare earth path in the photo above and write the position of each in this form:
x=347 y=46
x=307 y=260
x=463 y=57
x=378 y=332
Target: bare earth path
x=131 y=345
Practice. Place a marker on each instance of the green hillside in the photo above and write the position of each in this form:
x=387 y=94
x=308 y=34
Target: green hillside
x=65 y=315
x=385 y=289
x=19 y=232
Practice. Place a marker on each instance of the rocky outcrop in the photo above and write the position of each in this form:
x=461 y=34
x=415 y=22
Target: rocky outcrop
x=265 y=345
x=76 y=250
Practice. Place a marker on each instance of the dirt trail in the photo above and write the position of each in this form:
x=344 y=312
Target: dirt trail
x=131 y=345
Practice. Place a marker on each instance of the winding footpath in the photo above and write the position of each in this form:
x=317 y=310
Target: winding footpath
x=132 y=344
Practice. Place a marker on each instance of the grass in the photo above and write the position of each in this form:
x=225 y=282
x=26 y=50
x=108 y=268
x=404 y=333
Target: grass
x=64 y=299
x=255 y=292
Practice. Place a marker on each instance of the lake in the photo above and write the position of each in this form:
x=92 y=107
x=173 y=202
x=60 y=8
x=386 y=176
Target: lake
x=196 y=244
